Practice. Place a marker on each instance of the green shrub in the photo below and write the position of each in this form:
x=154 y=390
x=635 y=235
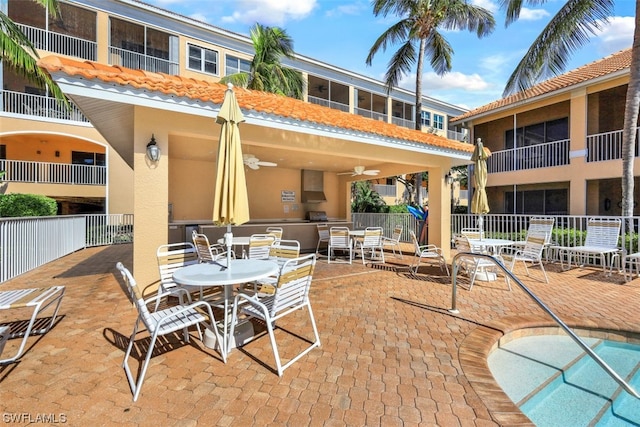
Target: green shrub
x=20 y=205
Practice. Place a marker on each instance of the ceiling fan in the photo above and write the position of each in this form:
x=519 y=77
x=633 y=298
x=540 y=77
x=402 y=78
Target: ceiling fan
x=360 y=170
x=254 y=163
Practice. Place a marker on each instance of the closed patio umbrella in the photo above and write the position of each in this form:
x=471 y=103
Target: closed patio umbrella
x=479 y=202
x=231 y=203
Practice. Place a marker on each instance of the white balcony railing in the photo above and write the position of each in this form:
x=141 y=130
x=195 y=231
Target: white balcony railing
x=60 y=43
x=52 y=173
x=371 y=114
x=607 y=146
x=326 y=103
x=410 y=124
x=457 y=136
x=545 y=155
x=139 y=61
x=385 y=190
x=38 y=106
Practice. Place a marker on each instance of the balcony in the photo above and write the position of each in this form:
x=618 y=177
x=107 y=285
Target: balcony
x=403 y=122
x=139 y=61
x=607 y=146
x=457 y=136
x=25 y=104
x=60 y=43
x=385 y=190
x=545 y=155
x=326 y=103
x=52 y=173
x=371 y=114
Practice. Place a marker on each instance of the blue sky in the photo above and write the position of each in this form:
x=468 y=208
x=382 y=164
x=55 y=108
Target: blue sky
x=341 y=33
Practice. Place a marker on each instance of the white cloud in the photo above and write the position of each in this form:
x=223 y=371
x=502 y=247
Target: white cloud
x=616 y=35
x=527 y=14
x=431 y=82
x=486 y=4
x=270 y=12
x=352 y=9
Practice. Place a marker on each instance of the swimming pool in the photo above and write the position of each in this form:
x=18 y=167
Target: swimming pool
x=555 y=383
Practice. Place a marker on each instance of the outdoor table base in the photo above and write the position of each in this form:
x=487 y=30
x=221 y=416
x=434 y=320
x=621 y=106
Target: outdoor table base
x=37 y=299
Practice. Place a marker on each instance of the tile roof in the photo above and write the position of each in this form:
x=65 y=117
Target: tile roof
x=602 y=67
x=261 y=102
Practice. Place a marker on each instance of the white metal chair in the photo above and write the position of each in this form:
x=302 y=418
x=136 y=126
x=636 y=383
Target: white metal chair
x=474 y=265
x=161 y=322
x=276 y=231
x=371 y=243
x=601 y=241
x=531 y=253
x=291 y=294
x=394 y=241
x=280 y=252
x=323 y=236
x=260 y=246
x=208 y=252
x=171 y=257
x=472 y=233
x=427 y=253
x=538 y=225
x=339 y=239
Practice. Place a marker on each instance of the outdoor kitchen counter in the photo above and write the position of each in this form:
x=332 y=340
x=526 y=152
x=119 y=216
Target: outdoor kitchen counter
x=303 y=231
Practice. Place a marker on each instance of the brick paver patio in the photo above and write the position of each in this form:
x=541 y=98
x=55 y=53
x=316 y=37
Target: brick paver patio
x=392 y=354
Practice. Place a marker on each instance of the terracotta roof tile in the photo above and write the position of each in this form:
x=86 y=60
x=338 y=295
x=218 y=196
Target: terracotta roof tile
x=261 y=102
x=608 y=65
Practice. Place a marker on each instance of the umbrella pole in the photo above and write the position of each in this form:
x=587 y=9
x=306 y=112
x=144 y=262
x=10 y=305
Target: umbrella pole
x=228 y=239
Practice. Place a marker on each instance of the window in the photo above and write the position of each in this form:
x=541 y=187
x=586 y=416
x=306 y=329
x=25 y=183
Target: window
x=202 y=59
x=3 y=152
x=237 y=65
x=425 y=118
x=438 y=121
x=88 y=159
x=538 y=133
x=537 y=202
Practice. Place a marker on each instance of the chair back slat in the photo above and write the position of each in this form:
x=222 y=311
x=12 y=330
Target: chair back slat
x=294 y=282
x=534 y=245
x=472 y=233
x=339 y=237
x=603 y=232
x=323 y=231
x=372 y=236
x=285 y=249
x=541 y=225
x=276 y=232
x=136 y=296
x=397 y=233
x=260 y=246
x=171 y=257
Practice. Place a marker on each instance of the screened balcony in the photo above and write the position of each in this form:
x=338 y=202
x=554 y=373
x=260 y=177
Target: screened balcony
x=52 y=173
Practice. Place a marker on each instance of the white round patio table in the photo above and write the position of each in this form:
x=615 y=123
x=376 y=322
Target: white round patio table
x=491 y=247
x=218 y=274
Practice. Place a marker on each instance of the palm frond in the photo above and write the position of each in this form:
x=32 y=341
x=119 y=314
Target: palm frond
x=400 y=63
x=440 y=53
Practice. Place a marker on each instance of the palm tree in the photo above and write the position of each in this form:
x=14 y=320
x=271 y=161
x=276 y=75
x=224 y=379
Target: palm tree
x=419 y=24
x=567 y=31
x=20 y=55
x=267 y=74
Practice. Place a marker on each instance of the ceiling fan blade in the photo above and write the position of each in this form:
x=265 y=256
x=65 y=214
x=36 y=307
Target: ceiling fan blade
x=345 y=173
x=253 y=165
x=267 y=164
x=371 y=172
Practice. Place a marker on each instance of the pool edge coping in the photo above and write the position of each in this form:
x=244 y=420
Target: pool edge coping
x=476 y=347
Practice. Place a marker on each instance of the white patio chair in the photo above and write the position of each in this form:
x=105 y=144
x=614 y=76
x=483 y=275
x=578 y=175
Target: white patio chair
x=601 y=241
x=474 y=265
x=276 y=231
x=427 y=254
x=208 y=252
x=472 y=233
x=340 y=240
x=531 y=253
x=260 y=246
x=371 y=242
x=280 y=252
x=291 y=294
x=162 y=322
x=171 y=257
x=394 y=241
x=323 y=236
x=538 y=225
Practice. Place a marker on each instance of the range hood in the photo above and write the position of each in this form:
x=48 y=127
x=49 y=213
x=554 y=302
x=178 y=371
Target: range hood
x=313 y=186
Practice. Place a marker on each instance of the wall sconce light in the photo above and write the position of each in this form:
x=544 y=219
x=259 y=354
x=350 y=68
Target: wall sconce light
x=448 y=178
x=153 y=151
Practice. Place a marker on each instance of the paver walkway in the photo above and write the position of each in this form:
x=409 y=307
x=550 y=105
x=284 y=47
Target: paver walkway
x=392 y=354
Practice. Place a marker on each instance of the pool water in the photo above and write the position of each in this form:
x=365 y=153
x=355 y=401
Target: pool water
x=555 y=383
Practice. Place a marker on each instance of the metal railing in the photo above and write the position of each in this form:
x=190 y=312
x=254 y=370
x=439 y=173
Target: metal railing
x=607 y=146
x=371 y=114
x=385 y=190
x=53 y=173
x=60 y=43
x=398 y=121
x=510 y=276
x=545 y=155
x=327 y=103
x=387 y=222
x=39 y=106
x=140 y=61
x=457 y=136
x=28 y=243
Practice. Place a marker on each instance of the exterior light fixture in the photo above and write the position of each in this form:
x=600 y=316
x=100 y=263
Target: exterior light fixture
x=153 y=151
x=448 y=178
